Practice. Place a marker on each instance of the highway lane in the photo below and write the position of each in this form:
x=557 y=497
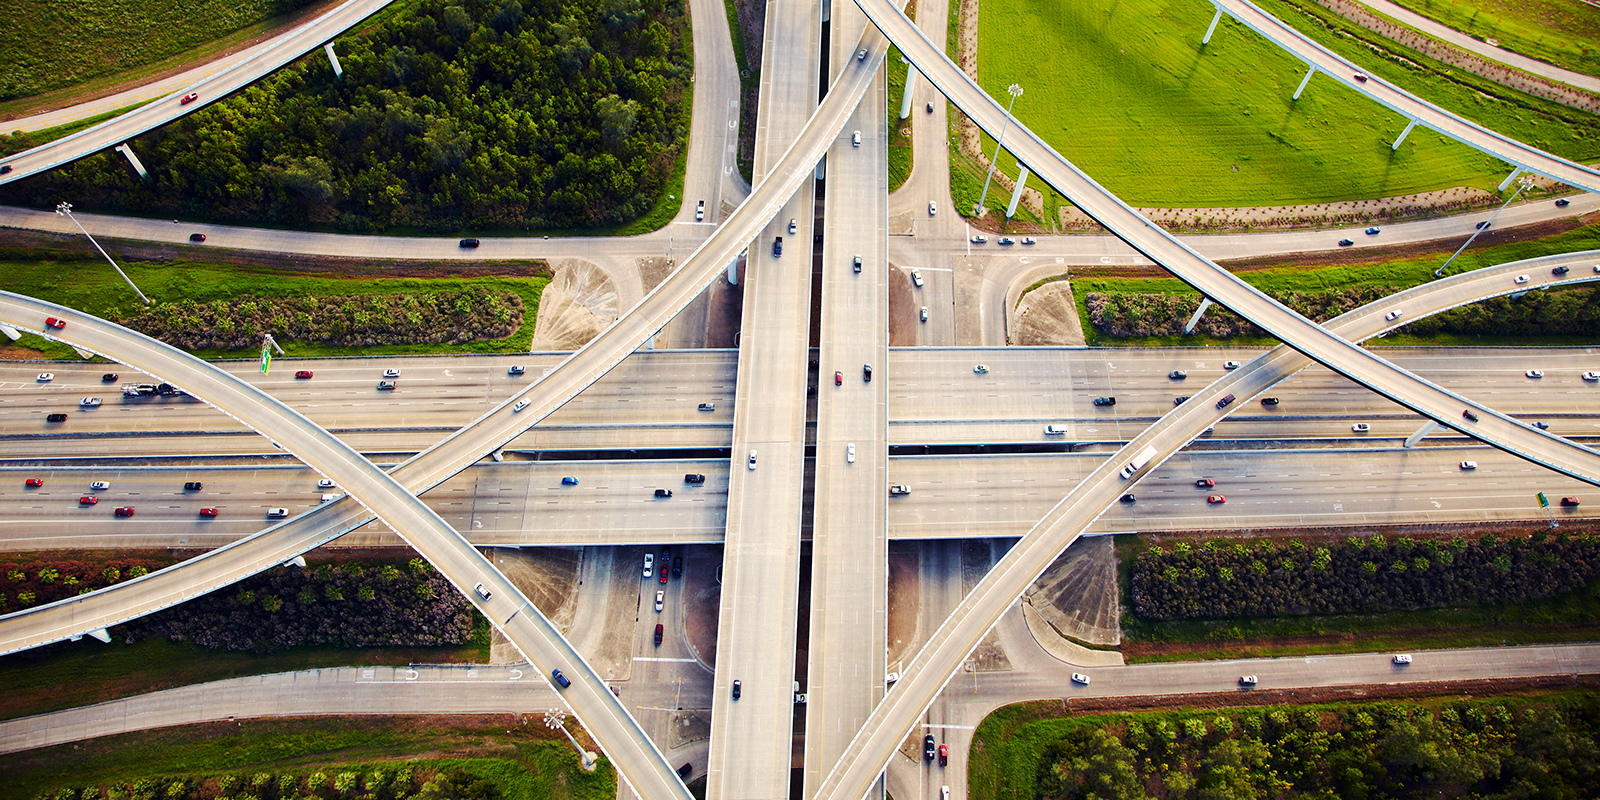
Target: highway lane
x=751 y=735
x=488 y=433
x=236 y=76
x=603 y=715
x=849 y=542
x=1408 y=105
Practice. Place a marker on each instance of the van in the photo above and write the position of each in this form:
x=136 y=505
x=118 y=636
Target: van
x=1055 y=430
x=328 y=498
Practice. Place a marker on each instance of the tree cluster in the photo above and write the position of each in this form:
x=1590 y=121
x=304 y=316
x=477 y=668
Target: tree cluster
x=339 y=605
x=1368 y=750
x=1553 y=313
x=351 y=321
x=387 y=781
x=1231 y=578
x=451 y=114
x=25 y=584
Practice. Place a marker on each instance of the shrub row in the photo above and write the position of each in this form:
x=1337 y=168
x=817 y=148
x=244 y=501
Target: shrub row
x=1229 y=578
x=343 y=606
x=387 y=782
x=35 y=583
x=1367 y=750
x=350 y=321
x=1564 y=312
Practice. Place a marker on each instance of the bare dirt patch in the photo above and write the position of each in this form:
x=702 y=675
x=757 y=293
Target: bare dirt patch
x=549 y=578
x=579 y=302
x=903 y=309
x=1048 y=316
x=691 y=726
x=1078 y=594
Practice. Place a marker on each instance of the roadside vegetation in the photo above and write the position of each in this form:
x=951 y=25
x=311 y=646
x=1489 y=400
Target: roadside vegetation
x=55 y=45
x=310 y=315
x=452 y=115
x=900 y=148
x=484 y=757
x=1540 y=745
x=1162 y=121
x=1561 y=33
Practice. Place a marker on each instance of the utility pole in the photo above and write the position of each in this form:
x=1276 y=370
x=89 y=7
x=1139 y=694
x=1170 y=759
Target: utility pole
x=1015 y=91
x=65 y=210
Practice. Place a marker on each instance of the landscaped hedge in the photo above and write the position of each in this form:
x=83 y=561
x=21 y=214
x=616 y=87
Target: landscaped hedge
x=1565 y=312
x=1545 y=749
x=383 y=782
x=35 y=583
x=1231 y=578
x=350 y=321
x=341 y=605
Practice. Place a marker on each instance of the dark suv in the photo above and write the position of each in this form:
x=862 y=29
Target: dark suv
x=694 y=477
x=777 y=246
x=929 y=749
x=1105 y=401
x=192 y=486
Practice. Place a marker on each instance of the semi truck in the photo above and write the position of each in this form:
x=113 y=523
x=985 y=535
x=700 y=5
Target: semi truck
x=1139 y=461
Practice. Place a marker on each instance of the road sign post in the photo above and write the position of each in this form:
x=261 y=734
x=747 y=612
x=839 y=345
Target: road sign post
x=1544 y=503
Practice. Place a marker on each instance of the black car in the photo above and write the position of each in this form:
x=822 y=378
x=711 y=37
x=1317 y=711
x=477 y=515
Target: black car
x=1345 y=242
x=469 y=243
x=694 y=477
x=929 y=748
x=1129 y=498
x=1562 y=203
x=1483 y=225
x=1469 y=416
x=1560 y=271
x=1225 y=402
x=736 y=689
x=663 y=493
x=677 y=567
x=197 y=237
x=1105 y=401
x=109 y=377
x=5 y=169
x=685 y=771
x=1179 y=400
x=1269 y=401
x=866 y=373
x=777 y=246
x=55 y=418
x=192 y=486
x=1177 y=374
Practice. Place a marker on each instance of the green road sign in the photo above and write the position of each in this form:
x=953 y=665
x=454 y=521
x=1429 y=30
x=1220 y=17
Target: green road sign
x=1544 y=502
x=266 y=358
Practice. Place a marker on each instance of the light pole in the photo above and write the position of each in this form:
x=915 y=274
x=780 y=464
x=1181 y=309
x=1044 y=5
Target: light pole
x=65 y=210
x=1523 y=183
x=1015 y=91
x=556 y=720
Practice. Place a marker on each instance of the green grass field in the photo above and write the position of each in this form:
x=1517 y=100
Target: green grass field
x=1127 y=93
x=1560 y=32
x=47 y=46
x=525 y=762
x=900 y=149
x=89 y=284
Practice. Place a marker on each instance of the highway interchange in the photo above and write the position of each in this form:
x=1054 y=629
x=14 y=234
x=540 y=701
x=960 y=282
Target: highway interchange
x=772 y=201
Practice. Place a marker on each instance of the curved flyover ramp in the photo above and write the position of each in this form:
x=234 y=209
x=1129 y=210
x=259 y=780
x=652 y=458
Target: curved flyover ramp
x=635 y=756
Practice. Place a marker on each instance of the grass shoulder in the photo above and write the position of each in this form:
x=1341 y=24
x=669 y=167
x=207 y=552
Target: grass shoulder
x=1560 y=33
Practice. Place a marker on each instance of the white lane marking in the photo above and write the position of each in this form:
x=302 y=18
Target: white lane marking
x=956 y=727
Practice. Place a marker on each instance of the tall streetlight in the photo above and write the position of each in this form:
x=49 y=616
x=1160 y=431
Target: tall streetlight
x=1015 y=91
x=556 y=720
x=65 y=210
x=1523 y=184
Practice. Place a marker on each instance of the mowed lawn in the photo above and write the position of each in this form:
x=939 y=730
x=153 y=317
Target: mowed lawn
x=1565 y=33
x=1125 y=91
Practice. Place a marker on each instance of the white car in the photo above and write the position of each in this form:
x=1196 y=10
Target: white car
x=793 y=226
x=979 y=238
x=46 y=377
x=1392 y=315
x=1591 y=376
x=933 y=209
x=1247 y=680
x=325 y=483
x=850 y=453
x=661 y=600
x=1403 y=658
x=519 y=405
x=98 y=485
x=1522 y=279
x=700 y=211
x=1230 y=365
x=1534 y=373
x=1080 y=678
x=916 y=278
x=391 y=373
x=924 y=313
x=1028 y=240
x=89 y=402
x=980 y=369
x=1360 y=427
x=1469 y=465
x=649 y=565
x=752 y=459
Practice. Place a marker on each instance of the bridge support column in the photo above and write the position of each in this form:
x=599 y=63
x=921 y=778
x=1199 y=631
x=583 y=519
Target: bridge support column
x=333 y=58
x=911 y=85
x=1304 y=81
x=102 y=634
x=297 y=561
x=1510 y=178
x=127 y=150
x=1403 y=135
x=1213 y=29
x=1205 y=303
x=498 y=455
x=1427 y=427
x=733 y=272
x=1016 y=194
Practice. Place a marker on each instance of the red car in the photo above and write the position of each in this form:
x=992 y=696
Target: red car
x=1569 y=502
x=189 y=98
x=124 y=511
x=838 y=378
x=663 y=571
x=1216 y=499
x=1205 y=483
x=58 y=324
x=208 y=512
x=305 y=373
x=33 y=483
x=88 y=500
x=944 y=755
